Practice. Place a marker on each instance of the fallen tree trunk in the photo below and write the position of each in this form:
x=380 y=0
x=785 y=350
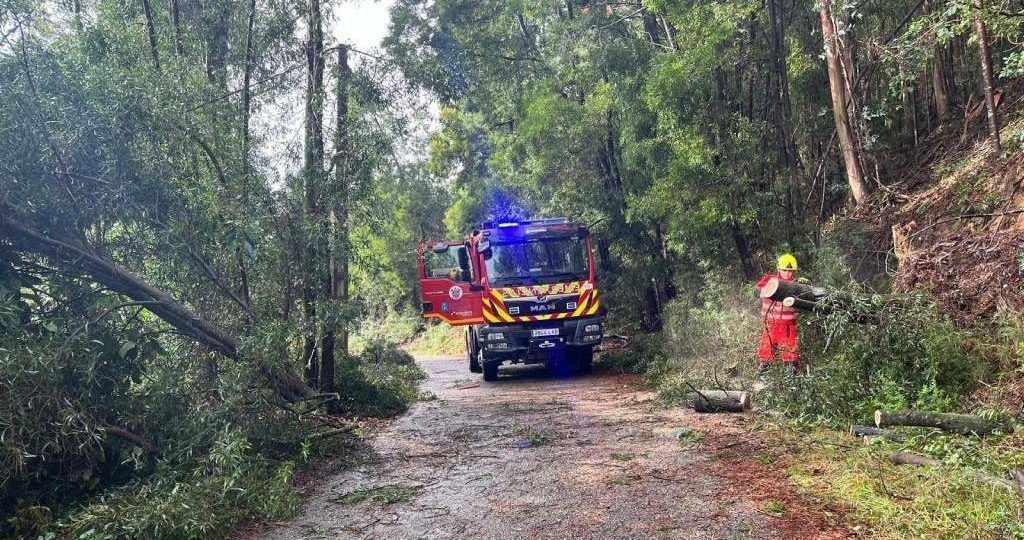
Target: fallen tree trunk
x=964 y=424
x=715 y=401
x=73 y=254
x=780 y=289
x=910 y=458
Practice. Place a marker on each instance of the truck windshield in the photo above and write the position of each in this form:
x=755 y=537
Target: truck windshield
x=545 y=260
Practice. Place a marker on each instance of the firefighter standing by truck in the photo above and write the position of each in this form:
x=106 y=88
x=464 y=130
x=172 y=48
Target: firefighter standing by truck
x=778 y=322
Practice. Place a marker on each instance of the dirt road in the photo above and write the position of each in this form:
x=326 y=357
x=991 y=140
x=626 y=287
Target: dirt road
x=538 y=456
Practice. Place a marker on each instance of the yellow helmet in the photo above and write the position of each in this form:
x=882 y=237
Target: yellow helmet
x=788 y=262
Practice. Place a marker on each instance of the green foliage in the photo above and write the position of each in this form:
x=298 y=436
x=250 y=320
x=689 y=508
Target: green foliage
x=381 y=381
x=913 y=357
x=229 y=484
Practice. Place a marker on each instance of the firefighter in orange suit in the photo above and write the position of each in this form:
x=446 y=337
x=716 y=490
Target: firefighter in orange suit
x=778 y=322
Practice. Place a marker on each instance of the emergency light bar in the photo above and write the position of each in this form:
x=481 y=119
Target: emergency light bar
x=509 y=224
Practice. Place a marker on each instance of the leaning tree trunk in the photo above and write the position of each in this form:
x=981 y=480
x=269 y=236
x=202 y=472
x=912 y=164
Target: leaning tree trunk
x=985 y=58
x=837 y=84
x=964 y=424
x=119 y=279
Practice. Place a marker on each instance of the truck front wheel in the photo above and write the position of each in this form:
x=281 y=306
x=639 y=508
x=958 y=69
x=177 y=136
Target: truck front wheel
x=490 y=371
x=471 y=351
x=583 y=359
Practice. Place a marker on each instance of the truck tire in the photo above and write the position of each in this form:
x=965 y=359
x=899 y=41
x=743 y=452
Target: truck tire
x=490 y=371
x=471 y=351
x=583 y=360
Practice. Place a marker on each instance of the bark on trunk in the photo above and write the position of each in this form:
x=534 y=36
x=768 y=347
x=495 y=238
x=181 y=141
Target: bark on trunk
x=335 y=335
x=869 y=431
x=840 y=102
x=313 y=172
x=780 y=289
x=117 y=278
x=988 y=87
x=176 y=23
x=939 y=87
x=964 y=424
x=714 y=401
x=147 y=8
x=910 y=458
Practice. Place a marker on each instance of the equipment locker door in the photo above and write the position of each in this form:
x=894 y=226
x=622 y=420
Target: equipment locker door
x=447 y=289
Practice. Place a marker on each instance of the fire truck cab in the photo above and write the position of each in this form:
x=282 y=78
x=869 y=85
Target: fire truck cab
x=525 y=290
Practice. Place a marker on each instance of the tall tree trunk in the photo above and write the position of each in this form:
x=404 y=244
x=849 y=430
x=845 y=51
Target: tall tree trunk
x=176 y=23
x=988 y=87
x=217 y=43
x=782 y=106
x=246 y=139
x=336 y=335
x=151 y=32
x=840 y=101
x=313 y=169
x=939 y=88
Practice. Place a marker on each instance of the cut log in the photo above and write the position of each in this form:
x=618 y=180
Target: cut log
x=869 y=431
x=802 y=305
x=964 y=424
x=780 y=289
x=715 y=401
x=910 y=458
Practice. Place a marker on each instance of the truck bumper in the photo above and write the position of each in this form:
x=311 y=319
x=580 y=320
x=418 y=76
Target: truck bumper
x=537 y=341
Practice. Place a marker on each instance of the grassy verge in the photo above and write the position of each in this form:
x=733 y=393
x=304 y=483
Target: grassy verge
x=889 y=501
x=439 y=338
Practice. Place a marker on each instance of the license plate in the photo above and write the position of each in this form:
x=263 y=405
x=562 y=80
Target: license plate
x=541 y=332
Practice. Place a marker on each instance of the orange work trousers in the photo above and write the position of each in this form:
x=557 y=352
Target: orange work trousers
x=781 y=339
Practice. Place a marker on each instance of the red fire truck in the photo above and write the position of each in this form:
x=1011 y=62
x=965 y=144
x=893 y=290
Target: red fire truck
x=525 y=290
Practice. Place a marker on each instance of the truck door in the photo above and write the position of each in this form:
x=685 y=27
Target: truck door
x=447 y=289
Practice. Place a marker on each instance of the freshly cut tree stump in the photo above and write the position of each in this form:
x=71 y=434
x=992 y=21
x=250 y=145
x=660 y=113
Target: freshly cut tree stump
x=780 y=289
x=715 y=401
x=964 y=424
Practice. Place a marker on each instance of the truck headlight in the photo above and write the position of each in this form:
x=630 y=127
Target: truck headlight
x=496 y=336
x=592 y=328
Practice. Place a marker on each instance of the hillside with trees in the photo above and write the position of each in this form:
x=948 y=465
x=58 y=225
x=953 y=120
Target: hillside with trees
x=209 y=213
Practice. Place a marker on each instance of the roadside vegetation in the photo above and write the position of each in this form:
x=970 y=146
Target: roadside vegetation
x=209 y=215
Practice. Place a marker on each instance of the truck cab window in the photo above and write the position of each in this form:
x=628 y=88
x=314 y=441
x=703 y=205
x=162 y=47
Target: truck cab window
x=446 y=264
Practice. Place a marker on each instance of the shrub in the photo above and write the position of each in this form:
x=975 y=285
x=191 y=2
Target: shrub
x=911 y=357
x=229 y=484
x=381 y=381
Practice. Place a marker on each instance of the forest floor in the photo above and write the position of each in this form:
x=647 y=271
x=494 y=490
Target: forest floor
x=535 y=455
